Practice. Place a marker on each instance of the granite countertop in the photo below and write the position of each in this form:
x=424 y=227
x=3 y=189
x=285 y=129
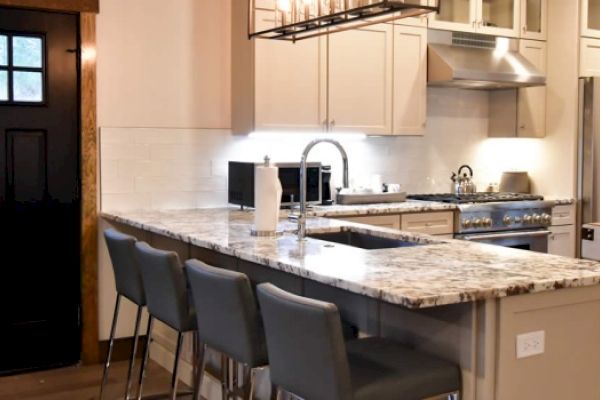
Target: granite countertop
x=409 y=206
x=439 y=272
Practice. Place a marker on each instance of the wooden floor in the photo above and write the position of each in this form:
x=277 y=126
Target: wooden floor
x=81 y=383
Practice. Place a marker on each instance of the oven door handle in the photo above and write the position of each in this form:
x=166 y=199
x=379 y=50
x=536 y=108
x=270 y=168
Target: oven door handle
x=510 y=235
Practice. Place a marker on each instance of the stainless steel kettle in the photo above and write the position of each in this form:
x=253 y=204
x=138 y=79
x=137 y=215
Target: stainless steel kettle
x=463 y=182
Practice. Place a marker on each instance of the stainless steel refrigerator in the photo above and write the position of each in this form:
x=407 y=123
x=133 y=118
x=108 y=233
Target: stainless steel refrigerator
x=589 y=168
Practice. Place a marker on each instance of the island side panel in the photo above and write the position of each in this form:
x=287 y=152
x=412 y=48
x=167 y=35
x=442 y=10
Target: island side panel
x=451 y=332
x=569 y=366
x=358 y=311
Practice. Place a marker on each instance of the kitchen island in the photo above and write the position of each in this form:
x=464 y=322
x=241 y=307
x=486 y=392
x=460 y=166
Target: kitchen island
x=464 y=301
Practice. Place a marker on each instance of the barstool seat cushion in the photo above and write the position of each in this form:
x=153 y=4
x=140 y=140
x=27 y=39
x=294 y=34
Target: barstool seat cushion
x=383 y=369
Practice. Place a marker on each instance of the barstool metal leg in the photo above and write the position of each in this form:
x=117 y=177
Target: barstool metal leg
x=111 y=342
x=175 y=376
x=136 y=335
x=224 y=377
x=146 y=357
x=201 y=360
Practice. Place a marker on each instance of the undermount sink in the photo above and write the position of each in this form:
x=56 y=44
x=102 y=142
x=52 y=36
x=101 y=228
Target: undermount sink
x=363 y=240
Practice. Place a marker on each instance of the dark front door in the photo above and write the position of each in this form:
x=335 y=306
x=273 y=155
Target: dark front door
x=39 y=190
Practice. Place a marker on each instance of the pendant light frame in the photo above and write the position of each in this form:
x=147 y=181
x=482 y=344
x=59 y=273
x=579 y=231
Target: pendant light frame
x=340 y=17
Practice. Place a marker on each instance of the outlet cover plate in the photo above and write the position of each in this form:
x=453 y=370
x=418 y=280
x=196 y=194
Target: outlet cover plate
x=531 y=344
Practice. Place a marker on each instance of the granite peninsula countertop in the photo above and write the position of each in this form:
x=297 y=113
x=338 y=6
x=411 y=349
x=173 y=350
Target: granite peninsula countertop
x=440 y=272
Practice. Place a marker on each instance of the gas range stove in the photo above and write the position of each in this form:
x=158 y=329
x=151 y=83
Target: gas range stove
x=495 y=212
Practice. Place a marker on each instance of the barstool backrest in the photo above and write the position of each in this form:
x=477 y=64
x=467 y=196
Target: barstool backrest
x=165 y=285
x=307 y=354
x=228 y=319
x=128 y=279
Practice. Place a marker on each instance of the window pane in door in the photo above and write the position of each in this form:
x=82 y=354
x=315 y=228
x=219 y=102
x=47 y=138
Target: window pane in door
x=499 y=13
x=3 y=50
x=27 y=51
x=594 y=14
x=534 y=16
x=3 y=86
x=27 y=86
x=455 y=11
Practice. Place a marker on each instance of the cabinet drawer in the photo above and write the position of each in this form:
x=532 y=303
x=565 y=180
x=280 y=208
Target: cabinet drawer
x=386 y=221
x=439 y=223
x=563 y=215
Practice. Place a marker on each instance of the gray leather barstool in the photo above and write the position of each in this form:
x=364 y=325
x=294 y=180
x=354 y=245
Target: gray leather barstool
x=168 y=300
x=128 y=281
x=309 y=358
x=228 y=320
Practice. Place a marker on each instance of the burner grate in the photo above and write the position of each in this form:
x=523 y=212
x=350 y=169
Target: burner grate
x=475 y=197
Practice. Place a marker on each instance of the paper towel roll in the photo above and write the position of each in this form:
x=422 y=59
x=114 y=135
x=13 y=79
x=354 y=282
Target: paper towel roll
x=267 y=198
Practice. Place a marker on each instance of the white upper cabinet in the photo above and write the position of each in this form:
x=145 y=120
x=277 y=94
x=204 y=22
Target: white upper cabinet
x=494 y=17
x=290 y=84
x=532 y=101
x=590 y=18
x=360 y=80
x=590 y=57
x=534 y=17
x=410 y=80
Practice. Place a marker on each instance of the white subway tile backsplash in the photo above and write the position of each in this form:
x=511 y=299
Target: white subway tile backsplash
x=182 y=168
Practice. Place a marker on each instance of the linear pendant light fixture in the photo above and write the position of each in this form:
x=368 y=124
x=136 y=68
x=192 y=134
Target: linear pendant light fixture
x=302 y=19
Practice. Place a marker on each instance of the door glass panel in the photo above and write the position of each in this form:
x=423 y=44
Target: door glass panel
x=498 y=13
x=27 y=51
x=534 y=16
x=3 y=85
x=27 y=86
x=455 y=11
x=594 y=14
x=3 y=50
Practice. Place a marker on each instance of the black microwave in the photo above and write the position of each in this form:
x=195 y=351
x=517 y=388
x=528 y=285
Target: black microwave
x=241 y=183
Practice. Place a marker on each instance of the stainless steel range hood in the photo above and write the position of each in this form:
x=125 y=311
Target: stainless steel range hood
x=471 y=61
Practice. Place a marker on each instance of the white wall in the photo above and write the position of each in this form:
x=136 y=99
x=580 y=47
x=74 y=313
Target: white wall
x=164 y=118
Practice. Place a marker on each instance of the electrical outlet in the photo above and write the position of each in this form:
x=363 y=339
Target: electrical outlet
x=531 y=344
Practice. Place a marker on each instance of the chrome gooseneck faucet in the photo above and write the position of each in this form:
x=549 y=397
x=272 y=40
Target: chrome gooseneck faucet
x=302 y=217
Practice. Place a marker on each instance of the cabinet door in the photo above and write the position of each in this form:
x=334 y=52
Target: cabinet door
x=455 y=15
x=563 y=215
x=562 y=241
x=534 y=14
x=590 y=18
x=290 y=83
x=360 y=80
x=421 y=20
x=499 y=17
x=531 y=113
x=437 y=223
x=590 y=57
x=410 y=80
x=385 y=221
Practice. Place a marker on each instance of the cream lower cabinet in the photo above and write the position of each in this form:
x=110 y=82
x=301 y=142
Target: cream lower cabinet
x=360 y=80
x=440 y=224
x=531 y=113
x=410 y=80
x=590 y=57
x=561 y=241
x=385 y=221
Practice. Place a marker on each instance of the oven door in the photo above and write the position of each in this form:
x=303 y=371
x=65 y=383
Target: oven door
x=534 y=240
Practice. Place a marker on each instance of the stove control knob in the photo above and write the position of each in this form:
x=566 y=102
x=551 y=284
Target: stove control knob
x=537 y=219
x=547 y=219
x=527 y=219
x=487 y=222
x=466 y=223
x=477 y=223
x=507 y=220
x=518 y=220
